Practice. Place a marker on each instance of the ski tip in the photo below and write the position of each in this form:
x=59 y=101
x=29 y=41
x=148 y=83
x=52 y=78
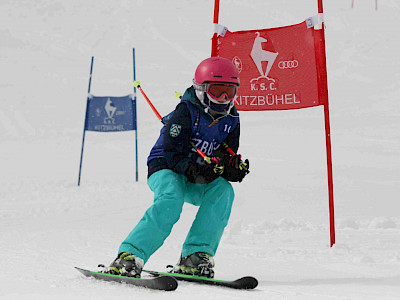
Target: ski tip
x=165 y=283
x=248 y=282
x=80 y=269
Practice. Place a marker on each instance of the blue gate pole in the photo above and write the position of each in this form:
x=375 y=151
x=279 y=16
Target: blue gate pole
x=86 y=118
x=135 y=114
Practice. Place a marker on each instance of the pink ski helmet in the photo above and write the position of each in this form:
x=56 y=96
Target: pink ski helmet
x=216 y=69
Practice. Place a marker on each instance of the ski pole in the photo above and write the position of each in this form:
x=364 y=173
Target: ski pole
x=217 y=169
x=201 y=153
x=242 y=164
x=228 y=149
x=136 y=84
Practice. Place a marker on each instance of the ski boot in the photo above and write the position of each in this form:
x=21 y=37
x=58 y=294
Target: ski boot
x=126 y=264
x=197 y=264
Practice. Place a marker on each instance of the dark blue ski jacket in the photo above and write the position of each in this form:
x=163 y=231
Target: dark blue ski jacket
x=189 y=122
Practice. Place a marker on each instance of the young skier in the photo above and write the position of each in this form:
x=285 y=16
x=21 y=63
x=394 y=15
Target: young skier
x=207 y=119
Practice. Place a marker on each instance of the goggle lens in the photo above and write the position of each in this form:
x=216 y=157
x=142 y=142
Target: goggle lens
x=218 y=90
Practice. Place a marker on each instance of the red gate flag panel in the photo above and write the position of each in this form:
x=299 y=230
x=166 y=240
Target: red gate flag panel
x=280 y=68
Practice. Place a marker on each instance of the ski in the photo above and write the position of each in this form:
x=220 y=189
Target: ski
x=247 y=282
x=165 y=283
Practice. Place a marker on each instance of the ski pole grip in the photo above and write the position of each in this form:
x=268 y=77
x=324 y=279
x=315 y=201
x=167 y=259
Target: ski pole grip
x=178 y=95
x=243 y=166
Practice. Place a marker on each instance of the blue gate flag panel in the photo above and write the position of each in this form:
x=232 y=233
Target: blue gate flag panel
x=110 y=114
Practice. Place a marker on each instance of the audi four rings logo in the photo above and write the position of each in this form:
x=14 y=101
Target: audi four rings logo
x=288 y=64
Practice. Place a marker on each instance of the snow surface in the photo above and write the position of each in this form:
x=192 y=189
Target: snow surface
x=278 y=231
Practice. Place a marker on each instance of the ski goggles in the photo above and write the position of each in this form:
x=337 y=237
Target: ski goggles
x=217 y=90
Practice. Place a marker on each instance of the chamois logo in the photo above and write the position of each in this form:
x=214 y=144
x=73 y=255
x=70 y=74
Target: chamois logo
x=110 y=109
x=259 y=55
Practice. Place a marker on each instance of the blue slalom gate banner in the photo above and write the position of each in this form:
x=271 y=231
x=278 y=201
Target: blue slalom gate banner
x=110 y=114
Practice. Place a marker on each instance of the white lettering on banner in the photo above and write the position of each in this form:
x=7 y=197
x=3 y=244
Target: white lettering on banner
x=109 y=128
x=269 y=99
x=109 y=121
x=263 y=87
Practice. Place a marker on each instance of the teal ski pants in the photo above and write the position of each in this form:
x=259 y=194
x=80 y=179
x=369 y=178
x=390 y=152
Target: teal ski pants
x=171 y=190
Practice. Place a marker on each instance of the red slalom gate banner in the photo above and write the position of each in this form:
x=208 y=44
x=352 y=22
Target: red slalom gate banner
x=281 y=68
x=278 y=67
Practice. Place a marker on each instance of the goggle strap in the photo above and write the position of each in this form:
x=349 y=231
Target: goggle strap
x=200 y=87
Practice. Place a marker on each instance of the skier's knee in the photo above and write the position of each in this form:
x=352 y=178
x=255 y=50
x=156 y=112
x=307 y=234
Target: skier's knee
x=168 y=211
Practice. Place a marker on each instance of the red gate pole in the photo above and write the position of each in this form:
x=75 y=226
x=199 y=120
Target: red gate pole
x=215 y=36
x=327 y=133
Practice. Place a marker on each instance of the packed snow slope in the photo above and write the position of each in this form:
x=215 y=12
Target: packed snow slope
x=279 y=229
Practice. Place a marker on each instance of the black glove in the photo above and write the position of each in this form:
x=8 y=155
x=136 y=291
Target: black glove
x=220 y=156
x=204 y=174
x=235 y=169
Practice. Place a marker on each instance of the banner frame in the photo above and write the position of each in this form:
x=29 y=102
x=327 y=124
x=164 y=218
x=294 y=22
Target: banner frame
x=134 y=118
x=135 y=113
x=85 y=124
x=323 y=94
